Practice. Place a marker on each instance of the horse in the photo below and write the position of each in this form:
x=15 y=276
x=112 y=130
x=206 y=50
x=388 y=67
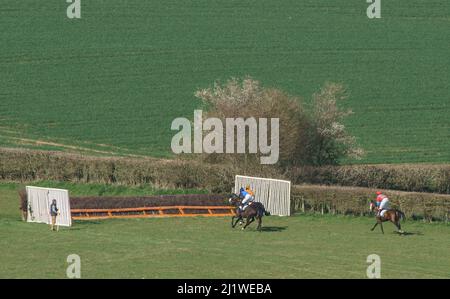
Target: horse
x=392 y=215
x=252 y=211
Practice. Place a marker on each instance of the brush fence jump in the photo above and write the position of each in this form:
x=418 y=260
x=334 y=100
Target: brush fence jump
x=275 y=195
x=169 y=211
x=39 y=201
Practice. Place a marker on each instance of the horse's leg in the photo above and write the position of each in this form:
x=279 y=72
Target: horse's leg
x=376 y=223
x=259 y=223
x=381 y=225
x=396 y=222
x=399 y=226
x=240 y=220
x=237 y=220
x=249 y=220
x=232 y=221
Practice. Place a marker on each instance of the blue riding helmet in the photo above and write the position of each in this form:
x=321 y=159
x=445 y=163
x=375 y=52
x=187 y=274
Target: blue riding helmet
x=242 y=193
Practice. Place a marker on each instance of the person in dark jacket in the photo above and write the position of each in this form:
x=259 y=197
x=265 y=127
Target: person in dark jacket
x=54 y=212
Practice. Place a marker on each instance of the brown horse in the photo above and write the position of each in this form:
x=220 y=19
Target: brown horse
x=254 y=211
x=392 y=215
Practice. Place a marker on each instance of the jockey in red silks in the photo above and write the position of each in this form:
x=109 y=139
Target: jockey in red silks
x=382 y=203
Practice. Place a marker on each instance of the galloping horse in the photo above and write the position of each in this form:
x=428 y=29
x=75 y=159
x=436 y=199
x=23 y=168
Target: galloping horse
x=392 y=215
x=254 y=210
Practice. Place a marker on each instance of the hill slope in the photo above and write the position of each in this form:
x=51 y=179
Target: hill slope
x=114 y=80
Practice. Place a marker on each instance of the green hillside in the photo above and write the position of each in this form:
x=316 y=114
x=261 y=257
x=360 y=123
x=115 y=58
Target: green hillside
x=114 y=80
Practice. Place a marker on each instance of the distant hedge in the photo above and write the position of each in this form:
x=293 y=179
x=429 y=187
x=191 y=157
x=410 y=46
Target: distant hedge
x=404 y=177
x=28 y=166
x=355 y=201
x=31 y=165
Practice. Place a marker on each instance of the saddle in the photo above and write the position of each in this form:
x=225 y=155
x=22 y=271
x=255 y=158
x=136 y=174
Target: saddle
x=387 y=211
x=244 y=207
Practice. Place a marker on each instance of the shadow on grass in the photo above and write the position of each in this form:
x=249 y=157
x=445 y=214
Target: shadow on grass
x=409 y=233
x=86 y=222
x=273 y=228
x=269 y=229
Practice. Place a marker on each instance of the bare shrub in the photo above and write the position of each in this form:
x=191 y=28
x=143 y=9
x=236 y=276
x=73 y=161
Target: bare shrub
x=314 y=136
x=246 y=99
x=331 y=140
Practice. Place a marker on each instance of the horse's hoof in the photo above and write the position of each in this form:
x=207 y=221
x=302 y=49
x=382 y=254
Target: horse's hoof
x=243 y=228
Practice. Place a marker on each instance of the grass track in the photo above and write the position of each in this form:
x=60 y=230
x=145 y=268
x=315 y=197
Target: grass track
x=291 y=247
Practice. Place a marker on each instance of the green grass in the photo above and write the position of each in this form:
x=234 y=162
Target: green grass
x=114 y=80
x=291 y=247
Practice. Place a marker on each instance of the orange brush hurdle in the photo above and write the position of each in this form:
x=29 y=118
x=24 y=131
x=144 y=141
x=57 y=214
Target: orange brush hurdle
x=167 y=211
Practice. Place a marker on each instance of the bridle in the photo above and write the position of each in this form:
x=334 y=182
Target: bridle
x=235 y=200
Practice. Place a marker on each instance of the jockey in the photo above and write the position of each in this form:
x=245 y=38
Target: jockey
x=382 y=203
x=247 y=196
x=249 y=191
x=242 y=193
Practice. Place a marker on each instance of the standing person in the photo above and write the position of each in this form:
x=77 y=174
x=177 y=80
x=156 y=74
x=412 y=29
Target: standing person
x=54 y=212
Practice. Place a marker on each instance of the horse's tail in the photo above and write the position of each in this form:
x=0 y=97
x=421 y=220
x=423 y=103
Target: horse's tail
x=265 y=212
x=262 y=211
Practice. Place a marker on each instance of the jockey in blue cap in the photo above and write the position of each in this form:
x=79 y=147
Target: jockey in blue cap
x=247 y=197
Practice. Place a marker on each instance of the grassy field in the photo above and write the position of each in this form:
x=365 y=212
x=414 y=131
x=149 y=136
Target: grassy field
x=114 y=81
x=291 y=247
